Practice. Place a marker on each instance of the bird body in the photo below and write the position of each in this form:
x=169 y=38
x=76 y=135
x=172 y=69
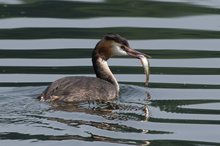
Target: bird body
x=79 y=88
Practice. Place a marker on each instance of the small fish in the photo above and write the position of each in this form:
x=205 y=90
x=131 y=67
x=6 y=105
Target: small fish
x=146 y=65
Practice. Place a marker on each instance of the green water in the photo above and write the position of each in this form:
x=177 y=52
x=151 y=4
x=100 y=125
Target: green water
x=43 y=40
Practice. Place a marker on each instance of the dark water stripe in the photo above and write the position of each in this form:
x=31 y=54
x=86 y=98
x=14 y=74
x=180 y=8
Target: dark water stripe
x=95 y=33
x=24 y=84
x=115 y=69
x=175 y=85
x=181 y=143
x=180 y=86
x=173 y=106
x=151 y=85
x=86 y=53
x=184 y=121
x=103 y=9
x=56 y=53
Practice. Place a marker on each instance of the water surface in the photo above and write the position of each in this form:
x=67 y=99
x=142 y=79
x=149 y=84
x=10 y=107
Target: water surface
x=41 y=41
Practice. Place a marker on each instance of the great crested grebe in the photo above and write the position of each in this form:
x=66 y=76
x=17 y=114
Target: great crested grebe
x=104 y=86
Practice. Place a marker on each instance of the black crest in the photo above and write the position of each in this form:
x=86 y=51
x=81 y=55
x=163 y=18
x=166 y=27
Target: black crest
x=117 y=38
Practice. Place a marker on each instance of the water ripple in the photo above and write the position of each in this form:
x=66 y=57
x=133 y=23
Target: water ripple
x=160 y=44
x=204 y=22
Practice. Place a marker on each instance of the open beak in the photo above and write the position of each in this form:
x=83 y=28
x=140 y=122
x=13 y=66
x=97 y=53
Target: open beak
x=143 y=58
x=133 y=53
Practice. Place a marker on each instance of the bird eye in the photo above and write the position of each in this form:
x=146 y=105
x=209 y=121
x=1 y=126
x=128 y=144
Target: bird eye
x=122 y=47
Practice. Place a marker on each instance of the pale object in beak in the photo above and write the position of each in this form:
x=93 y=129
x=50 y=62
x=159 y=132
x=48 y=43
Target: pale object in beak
x=144 y=61
x=146 y=65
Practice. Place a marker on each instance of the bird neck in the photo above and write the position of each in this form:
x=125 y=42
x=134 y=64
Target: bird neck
x=103 y=71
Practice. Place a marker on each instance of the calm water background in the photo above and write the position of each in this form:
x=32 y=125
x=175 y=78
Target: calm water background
x=42 y=40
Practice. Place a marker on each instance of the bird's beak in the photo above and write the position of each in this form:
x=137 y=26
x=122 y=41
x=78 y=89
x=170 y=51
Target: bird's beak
x=134 y=53
x=143 y=58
